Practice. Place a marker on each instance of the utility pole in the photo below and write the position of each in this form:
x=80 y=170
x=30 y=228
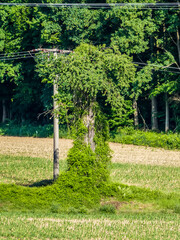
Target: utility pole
x=56 y=128
x=55 y=51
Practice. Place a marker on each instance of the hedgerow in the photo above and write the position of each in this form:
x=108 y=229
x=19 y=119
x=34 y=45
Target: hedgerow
x=150 y=139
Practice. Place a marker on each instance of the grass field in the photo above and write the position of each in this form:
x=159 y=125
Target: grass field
x=125 y=226
x=26 y=161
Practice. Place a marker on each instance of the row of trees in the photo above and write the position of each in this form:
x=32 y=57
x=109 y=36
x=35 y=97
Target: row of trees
x=147 y=39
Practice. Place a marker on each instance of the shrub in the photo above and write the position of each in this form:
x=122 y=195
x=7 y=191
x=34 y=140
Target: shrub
x=177 y=209
x=107 y=208
x=151 y=139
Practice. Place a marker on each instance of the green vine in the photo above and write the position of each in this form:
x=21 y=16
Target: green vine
x=87 y=173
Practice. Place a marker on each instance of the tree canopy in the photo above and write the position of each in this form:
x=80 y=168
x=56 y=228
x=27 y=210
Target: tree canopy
x=146 y=37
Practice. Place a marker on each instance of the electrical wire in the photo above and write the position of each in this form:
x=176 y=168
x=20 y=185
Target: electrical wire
x=13 y=53
x=1 y=59
x=155 y=65
x=25 y=54
x=159 y=70
x=99 y=5
x=14 y=57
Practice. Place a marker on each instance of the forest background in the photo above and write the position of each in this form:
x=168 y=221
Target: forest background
x=149 y=37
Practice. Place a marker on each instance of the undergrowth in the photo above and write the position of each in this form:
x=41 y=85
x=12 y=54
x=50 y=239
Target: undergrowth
x=32 y=130
x=150 y=139
x=57 y=198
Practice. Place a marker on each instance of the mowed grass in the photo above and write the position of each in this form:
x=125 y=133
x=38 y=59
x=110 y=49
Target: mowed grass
x=166 y=179
x=27 y=170
x=134 y=226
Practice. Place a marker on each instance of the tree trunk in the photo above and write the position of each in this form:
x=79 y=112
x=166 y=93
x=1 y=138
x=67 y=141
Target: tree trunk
x=89 y=122
x=10 y=112
x=178 y=45
x=136 y=119
x=167 y=113
x=154 y=120
x=4 y=115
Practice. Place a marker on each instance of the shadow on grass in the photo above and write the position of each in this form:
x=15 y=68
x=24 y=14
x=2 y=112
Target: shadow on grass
x=42 y=183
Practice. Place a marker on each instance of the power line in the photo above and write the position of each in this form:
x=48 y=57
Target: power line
x=23 y=56
x=159 y=70
x=100 y=5
x=13 y=53
x=35 y=50
x=155 y=65
x=47 y=51
x=29 y=53
x=15 y=56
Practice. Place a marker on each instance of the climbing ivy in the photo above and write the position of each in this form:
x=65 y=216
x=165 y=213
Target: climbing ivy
x=82 y=76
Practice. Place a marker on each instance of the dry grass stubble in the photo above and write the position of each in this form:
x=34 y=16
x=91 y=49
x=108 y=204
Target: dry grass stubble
x=42 y=147
x=90 y=228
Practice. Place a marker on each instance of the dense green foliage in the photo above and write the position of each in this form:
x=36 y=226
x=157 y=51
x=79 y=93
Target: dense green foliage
x=150 y=139
x=149 y=37
x=63 y=195
x=90 y=77
x=32 y=130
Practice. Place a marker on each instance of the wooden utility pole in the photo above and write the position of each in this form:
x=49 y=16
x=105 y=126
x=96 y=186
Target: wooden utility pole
x=56 y=128
x=55 y=109
x=55 y=51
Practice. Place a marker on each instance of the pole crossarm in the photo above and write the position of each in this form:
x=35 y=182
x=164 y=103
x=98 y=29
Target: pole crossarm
x=54 y=50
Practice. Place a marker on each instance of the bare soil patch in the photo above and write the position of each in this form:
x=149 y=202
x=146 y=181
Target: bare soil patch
x=116 y=204
x=43 y=147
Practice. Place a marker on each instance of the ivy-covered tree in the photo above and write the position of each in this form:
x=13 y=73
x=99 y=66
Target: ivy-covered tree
x=83 y=76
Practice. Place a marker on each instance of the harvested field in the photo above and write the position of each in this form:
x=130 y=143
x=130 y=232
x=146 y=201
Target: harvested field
x=144 y=155
x=42 y=147
x=33 y=147
x=123 y=226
